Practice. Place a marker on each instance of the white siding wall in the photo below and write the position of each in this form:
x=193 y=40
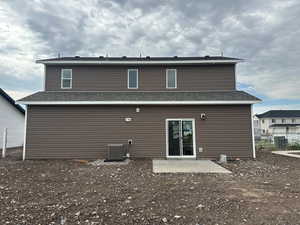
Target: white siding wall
x=265 y=125
x=256 y=125
x=292 y=134
x=13 y=120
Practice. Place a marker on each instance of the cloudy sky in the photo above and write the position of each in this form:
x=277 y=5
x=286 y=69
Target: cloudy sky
x=265 y=33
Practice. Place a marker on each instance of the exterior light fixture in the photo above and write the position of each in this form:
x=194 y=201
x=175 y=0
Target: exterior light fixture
x=203 y=116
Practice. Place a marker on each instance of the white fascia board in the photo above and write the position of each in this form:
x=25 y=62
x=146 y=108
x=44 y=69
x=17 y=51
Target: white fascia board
x=137 y=102
x=103 y=62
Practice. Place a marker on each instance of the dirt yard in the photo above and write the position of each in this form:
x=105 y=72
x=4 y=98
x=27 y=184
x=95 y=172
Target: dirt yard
x=266 y=191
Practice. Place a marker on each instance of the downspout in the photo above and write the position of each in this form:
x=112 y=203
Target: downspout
x=25 y=129
x=253 y=138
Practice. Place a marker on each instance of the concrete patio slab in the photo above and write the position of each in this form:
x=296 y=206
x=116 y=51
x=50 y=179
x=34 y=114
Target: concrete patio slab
x=187 y=166
x=288 y=153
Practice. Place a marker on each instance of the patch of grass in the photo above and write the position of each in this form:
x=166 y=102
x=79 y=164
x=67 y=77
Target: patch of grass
x=293 y=146
x=265 y=144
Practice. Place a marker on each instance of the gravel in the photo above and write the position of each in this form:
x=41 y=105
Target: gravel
x=264 y=191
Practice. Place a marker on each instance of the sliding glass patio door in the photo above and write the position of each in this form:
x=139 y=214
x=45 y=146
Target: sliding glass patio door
x=180 y=138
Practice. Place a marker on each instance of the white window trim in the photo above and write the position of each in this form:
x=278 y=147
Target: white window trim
x=194 y=139
x=167 y=79
x=137 y=78
x=62 y=78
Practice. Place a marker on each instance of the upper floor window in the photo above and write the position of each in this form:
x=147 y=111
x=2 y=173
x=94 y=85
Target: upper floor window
x=133 y=78
x=283 y=120
x=293 y=120
x=262 y=121
x=273 y=121
x=66 y=78
x=171 y=78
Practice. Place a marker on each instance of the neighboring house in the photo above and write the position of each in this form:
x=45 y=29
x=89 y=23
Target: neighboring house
x=165 y=107
x=257 y=130
x=12 y=117
x=280 y=123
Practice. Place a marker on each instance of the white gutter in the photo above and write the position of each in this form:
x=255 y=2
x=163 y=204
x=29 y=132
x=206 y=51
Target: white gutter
x=123 y=62
x=136 y=102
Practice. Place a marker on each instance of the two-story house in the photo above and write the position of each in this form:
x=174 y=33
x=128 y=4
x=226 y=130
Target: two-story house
x=279 y=123
x=164 y=107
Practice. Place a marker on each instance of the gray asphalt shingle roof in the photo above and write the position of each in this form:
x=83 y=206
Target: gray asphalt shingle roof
x=279 y=113
x=285 y=125
x=139 y=96
x=124 y=58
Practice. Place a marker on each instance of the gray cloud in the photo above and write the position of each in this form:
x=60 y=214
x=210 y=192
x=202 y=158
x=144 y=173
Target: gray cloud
x=266 y=33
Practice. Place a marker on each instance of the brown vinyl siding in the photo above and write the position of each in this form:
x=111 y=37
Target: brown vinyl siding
x=151 y=78
x=85 y=131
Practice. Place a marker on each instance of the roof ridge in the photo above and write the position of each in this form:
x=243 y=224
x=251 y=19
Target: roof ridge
x=147 y=59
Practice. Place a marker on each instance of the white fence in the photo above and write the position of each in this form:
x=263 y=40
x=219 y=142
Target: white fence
x=4 y=142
